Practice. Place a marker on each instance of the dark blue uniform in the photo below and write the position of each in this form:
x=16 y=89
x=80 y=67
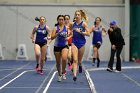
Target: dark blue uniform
x=97 y=35
x=41 y=33
x=78 y=39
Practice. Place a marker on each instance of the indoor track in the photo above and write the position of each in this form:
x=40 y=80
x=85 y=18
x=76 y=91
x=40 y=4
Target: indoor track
x=21 y=77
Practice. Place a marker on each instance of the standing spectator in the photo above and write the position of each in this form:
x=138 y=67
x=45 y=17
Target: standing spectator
x=117 y=42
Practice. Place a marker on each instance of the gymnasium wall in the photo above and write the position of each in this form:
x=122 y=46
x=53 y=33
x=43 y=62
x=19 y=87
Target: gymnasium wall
x=62 y=1
x=17 y=22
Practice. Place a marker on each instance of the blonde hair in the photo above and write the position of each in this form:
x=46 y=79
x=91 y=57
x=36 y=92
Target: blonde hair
x=83 y=15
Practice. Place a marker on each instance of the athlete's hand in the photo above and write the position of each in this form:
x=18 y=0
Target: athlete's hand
x=33 y=41
x=113 y=47
x=67 y=38
x=77 y=30
x=110 y=29
x=48 y=45
x=47 y=38
x=59 y=32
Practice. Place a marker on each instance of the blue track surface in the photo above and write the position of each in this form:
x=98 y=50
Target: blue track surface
x=21 y=77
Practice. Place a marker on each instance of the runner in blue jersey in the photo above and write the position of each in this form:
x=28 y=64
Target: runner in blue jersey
x=98 y=31
x=61 y=37
x=80 y=30
x=40 y=43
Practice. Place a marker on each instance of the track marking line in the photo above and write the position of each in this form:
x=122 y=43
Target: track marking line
x=37 y=91
x=20 y=87
x=69 y=88
x=131 y=79
x=103 y=68
x=47 y=86
x=91 y=84
x=14 y=71
x=12 y=80
x=90 y=81
x=7 y=69
x=2 y=69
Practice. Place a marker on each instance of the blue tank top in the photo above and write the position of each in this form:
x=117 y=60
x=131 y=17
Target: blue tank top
x=97 y=35
x=60 y=40
x=41 y=33
x=78 y=38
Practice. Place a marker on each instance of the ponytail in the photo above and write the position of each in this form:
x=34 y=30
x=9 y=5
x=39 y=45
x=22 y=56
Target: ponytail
x=56 y=24
x=84 y=15
x=38 y=19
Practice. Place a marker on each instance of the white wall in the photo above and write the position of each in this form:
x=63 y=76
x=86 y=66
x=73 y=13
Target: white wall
x=63 y=1
x=17 y=22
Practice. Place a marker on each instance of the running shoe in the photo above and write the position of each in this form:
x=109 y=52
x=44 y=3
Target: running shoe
x=41 y=72
x=59 y=78
x=74 y=78
x=109 y=69
x=37 y=67
x=117 y=71
x=64 y=76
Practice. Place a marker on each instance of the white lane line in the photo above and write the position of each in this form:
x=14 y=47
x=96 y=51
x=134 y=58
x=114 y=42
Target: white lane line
x=90 y=81
x=21 y=87
x=126 y=67
x=7 y=69
x=103 y=68
x=129 y=78
x=91 y=84
x=12 y=80
x=47 y=86
x=14 y=71
x=41 y=86
x=69 y=88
